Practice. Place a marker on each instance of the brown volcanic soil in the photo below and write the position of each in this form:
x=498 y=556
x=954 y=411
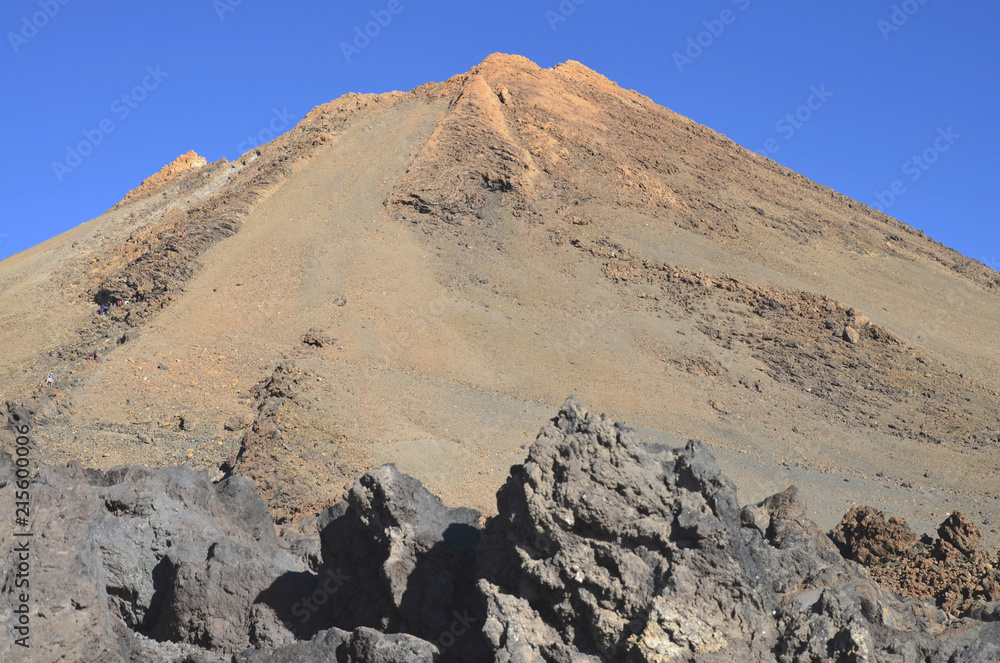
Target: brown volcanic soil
x=863 y=372
x=952 y=569
x=422 y=278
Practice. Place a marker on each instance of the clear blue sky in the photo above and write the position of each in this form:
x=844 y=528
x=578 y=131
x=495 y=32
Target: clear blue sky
x=208 y=75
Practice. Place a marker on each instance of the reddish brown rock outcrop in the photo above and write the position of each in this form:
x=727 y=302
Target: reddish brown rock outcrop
x=953 y=570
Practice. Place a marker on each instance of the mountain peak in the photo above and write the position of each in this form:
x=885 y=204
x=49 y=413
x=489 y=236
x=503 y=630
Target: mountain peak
x=414 y=277
x=502 y=61
x=188 y=161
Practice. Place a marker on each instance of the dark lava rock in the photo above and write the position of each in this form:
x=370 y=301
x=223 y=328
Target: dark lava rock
x=408 y=560
x=161 y=552
x=316 y=338
x=364 y=645
x=603 y=551
x=626 y=556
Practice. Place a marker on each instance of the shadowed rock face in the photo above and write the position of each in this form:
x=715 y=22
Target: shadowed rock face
x=163 y=553
x=396 y=558
x=603 y=550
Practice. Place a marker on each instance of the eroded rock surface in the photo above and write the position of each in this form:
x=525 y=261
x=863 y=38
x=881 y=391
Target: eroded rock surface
x=952 y=570
x=604 y=550
x=163 y=553
x=407 y=560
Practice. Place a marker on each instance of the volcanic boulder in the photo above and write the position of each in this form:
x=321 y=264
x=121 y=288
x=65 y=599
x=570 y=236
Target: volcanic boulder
x=953 y=570
x=604 y=551
x=155 y=551
x=409 y=560
x=364 y=645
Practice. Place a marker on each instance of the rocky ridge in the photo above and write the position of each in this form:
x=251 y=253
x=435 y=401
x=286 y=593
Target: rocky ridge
x=159 y=180
x=604 y=549
x=864 y=374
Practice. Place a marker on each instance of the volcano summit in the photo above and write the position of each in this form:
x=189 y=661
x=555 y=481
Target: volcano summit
x=419 y=279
